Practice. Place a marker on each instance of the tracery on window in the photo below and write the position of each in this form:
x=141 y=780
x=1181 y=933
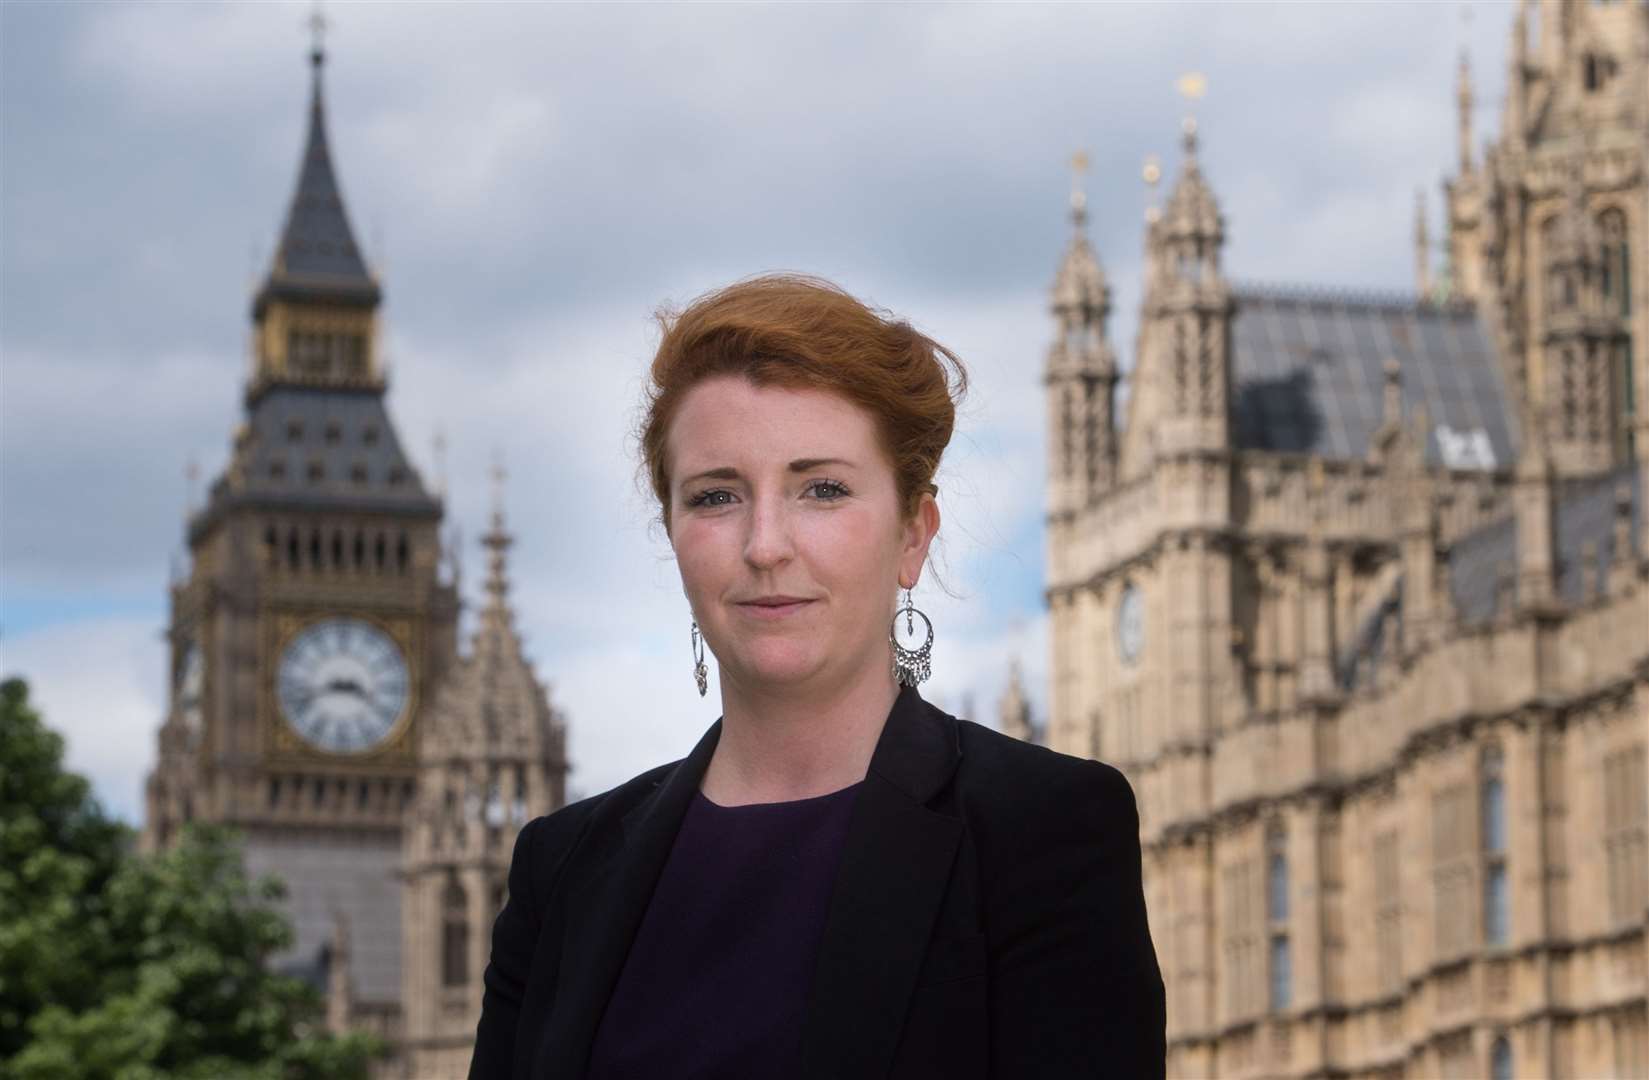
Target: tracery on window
x=454 y=935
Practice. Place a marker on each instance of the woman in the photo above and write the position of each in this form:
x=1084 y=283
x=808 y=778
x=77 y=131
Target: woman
x=840 y=880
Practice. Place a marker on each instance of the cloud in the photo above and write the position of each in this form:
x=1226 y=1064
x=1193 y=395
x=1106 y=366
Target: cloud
x=533 y=180
x=101 y=683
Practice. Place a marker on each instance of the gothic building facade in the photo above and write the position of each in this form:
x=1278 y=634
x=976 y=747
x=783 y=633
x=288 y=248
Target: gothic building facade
x=319 y=702
x=1357 y=595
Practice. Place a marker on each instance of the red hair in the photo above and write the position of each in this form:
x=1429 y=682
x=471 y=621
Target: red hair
x=796 y=331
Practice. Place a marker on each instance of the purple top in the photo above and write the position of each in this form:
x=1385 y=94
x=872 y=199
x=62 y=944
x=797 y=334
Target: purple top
x=717 y=976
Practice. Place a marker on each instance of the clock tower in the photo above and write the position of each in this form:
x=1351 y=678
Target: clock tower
x=313 y=625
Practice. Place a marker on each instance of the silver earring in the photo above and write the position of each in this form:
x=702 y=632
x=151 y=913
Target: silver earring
x=700 y=673
x=911 y=666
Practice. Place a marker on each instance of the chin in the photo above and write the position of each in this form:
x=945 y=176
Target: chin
x=772 y=666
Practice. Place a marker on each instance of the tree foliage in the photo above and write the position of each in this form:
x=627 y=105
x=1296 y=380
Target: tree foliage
x=131 y=967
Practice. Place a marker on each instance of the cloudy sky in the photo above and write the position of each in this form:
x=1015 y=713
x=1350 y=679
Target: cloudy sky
x=533 y=181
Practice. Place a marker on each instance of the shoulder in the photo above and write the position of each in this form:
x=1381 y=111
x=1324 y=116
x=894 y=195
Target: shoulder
x=546 y=841
x=1002 y=774
x=1021 y=799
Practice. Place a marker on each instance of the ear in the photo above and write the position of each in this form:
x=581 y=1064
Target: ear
x=917 y=534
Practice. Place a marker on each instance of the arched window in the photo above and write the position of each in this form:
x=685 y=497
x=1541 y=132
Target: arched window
x=1617 y=262
x=1500 y=1059
x=454 y=935
x=1492 y=807
x=1276 y=910
x=1554 y=275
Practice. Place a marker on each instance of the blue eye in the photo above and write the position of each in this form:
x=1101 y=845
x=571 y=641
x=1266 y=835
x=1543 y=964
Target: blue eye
x=704 y=498
x=836 y=490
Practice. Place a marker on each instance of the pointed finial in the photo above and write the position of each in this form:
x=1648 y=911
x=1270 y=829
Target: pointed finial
x=191 y=477
x=497 y=540
x=498 y=477
x=1152 y=175
x=1191 y=86
x=1422 y=246
x=318 y=24
x=1392 y=405
x=440 y=463
x=1464 y=100
x=1079 y=197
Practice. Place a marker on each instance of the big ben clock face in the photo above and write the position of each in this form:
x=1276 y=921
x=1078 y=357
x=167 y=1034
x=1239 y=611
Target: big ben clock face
x=342 y=685
x=1130 y=624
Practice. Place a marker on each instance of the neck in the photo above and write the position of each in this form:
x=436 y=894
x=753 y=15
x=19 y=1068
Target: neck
x=778 y=745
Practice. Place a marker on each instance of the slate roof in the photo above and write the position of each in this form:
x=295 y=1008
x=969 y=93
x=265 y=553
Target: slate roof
x=314 y=447
x=318 y=258
x=1583 y=513
x=1308 y=373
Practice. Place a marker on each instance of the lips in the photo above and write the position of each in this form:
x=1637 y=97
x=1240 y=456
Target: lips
x=774 y=607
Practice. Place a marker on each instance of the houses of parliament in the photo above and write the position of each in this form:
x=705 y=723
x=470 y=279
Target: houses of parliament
x=1354 y=588
x=1356 y=593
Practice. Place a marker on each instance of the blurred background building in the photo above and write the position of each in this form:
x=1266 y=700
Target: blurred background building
x=1358 y=597
x=320 y=702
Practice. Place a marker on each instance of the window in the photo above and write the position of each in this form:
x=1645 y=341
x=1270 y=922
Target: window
x=1276 y=907
x=1492 y=806
x=1617 y=262
x=1500 y=1059
x=1631 y=1038
x=1280 y=974
x=1451 y=871
x=1554 y=275
x=1388 y=914
x=1241 y=939
x=1625 y=823
x=454 y=935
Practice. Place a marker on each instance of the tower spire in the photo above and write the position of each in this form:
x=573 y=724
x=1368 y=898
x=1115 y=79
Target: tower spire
x=317 y=257
x=1463 y=99
x=497 y=541
x=1422 y=247
x=1079 y=197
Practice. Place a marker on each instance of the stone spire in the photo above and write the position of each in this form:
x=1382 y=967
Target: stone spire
x=1422 y=247
x=1081 y=369
x=1192 y=210
x=1013 y=710
x=1181 y=398
x=1580 y=340
x=317 y=258
x=1080 y=291
x=1463 y=102
x=492 y=756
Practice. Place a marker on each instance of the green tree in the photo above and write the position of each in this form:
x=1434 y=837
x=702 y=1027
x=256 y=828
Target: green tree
x=128 y=967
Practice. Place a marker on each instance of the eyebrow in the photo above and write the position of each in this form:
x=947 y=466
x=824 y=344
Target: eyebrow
x=800 y=465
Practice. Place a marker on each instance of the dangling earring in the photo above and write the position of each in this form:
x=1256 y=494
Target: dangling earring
x=911 y=666
x=700 y=673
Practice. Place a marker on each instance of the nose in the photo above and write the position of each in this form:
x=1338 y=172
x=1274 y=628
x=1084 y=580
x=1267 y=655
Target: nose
x=768 y=543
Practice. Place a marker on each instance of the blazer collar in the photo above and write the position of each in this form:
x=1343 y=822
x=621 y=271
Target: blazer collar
x=895 y=864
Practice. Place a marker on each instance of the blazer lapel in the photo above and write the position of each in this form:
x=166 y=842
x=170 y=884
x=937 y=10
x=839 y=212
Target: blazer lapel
x=604 y=912
x=895 y=865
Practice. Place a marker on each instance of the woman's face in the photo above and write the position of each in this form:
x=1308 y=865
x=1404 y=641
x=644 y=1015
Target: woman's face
x=785 y=520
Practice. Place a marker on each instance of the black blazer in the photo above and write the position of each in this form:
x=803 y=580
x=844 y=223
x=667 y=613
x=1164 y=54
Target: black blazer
x=987 y=918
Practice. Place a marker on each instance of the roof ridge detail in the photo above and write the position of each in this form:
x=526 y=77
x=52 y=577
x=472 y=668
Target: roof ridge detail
x=1346 y=296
